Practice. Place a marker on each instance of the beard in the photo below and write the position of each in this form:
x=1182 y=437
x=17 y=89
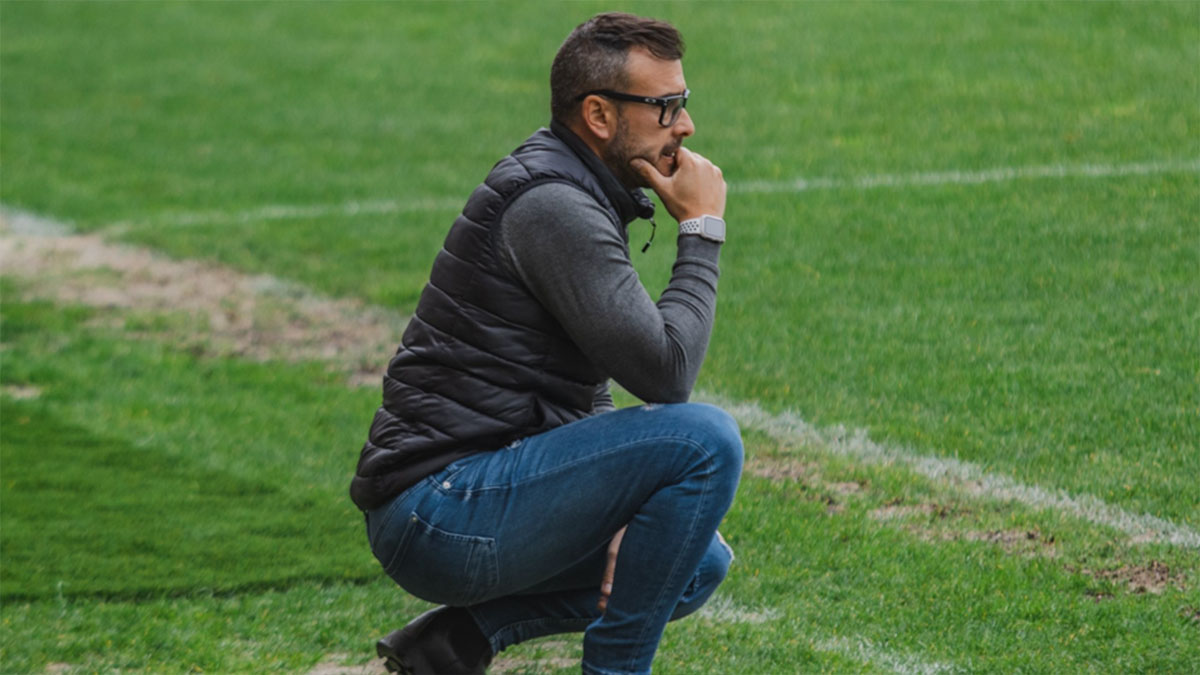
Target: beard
x=622 y=150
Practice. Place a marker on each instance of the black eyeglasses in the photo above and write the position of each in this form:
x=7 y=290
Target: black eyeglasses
x=671 y=105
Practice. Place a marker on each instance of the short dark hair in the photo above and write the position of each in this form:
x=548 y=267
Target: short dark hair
x=593 y=56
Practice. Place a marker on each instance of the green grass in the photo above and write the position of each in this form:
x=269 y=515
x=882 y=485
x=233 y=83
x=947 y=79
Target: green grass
x=1048 y=330
x=168 y=509
x=141 y=470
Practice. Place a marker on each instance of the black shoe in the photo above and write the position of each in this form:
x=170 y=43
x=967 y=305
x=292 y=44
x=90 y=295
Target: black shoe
x=442 y=641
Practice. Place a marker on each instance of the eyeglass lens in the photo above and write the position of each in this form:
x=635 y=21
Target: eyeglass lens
x=670 y=111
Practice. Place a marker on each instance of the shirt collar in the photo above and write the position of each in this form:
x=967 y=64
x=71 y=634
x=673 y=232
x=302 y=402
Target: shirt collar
x=630 y=204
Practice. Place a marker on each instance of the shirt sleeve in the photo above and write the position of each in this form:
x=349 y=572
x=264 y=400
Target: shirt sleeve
x=603 y=401
x=564 y=247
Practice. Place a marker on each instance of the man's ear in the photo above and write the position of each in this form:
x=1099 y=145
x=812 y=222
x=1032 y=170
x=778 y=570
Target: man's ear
x=599 y=116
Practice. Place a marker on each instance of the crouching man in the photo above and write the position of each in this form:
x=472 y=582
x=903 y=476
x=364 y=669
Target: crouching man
x=498 y=481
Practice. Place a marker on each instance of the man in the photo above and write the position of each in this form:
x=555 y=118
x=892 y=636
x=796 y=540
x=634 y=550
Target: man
x=497 y=479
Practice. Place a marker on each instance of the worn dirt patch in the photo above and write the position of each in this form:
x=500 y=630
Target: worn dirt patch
x=21 y=392
x=807 y=475
x=942 y=522
x=1009 y=537
x=551 y=654
x=332 y=666
x=201 y=306
x=845 y=488
x=774 y=467
x=895 y=510
x=1016 y=540
x=1153 y=577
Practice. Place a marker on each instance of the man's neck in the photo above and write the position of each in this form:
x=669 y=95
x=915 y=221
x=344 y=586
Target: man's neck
x=587 y=139
x=630 y=203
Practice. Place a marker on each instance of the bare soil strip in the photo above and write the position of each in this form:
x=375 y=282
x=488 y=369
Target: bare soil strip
x=1153 y=578
x=202 y=306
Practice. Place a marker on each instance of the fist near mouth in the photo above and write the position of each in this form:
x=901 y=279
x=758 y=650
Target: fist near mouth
x=695 y=186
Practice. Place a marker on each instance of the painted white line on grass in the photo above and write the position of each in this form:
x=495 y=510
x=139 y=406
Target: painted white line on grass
x=967 y=177
x=865 y=651
x=25 y=223
x=722 y=609
x=434 y=204
x=970 y=478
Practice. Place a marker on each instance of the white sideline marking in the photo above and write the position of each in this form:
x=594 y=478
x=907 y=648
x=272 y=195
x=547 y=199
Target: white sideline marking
x=863 y=650
x=431 y=204
x=967 y=177
x=23 y=222
x=968 y=477
x=722 y=609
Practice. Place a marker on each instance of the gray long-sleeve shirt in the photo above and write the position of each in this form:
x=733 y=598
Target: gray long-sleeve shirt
x=563 y=246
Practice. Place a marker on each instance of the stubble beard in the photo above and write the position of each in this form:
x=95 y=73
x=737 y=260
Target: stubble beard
x=618 y=155
x=621 y=151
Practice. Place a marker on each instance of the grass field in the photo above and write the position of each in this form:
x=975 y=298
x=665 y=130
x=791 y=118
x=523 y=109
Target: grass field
x=959 y=321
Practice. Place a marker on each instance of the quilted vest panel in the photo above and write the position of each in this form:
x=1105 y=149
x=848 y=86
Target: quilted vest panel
x=481 y=362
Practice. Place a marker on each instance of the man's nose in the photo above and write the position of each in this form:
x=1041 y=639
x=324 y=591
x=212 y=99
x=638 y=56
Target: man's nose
x=683 y=126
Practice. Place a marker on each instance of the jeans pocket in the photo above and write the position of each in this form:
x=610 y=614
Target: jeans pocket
x=444 y=567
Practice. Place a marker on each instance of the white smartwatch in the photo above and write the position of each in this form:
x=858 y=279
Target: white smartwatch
x=711 y=228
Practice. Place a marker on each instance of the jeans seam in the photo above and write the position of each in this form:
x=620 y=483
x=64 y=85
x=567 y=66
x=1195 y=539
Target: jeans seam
x=660 y=600
x=494 y=640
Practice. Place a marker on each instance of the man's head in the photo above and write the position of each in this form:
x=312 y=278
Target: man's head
x=603 y=62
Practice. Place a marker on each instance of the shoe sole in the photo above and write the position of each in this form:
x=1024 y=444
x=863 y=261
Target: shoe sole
x=391 y=660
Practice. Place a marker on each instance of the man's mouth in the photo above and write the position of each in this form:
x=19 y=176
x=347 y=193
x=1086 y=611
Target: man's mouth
x=672 y=161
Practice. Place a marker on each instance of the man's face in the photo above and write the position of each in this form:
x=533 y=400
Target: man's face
x=638 y=132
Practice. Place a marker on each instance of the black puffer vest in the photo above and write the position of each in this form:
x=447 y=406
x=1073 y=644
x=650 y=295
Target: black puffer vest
x=481 y=362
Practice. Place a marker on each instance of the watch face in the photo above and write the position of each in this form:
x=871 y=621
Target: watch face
x=708 y=227
x=713 y=228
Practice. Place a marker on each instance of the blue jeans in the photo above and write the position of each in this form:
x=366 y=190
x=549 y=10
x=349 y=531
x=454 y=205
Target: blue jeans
x=519 y=536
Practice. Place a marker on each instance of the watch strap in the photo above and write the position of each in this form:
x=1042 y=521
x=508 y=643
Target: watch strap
x=708 y=227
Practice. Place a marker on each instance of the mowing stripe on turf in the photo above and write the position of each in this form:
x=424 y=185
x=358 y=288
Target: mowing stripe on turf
x=969 y=478
x=799 y=184
x=787 y=427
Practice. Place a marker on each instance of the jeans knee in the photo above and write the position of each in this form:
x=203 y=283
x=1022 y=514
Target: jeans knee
x=718 y=432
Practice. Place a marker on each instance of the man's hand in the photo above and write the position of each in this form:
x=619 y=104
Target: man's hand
x=610 y=569
x=695 y=189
